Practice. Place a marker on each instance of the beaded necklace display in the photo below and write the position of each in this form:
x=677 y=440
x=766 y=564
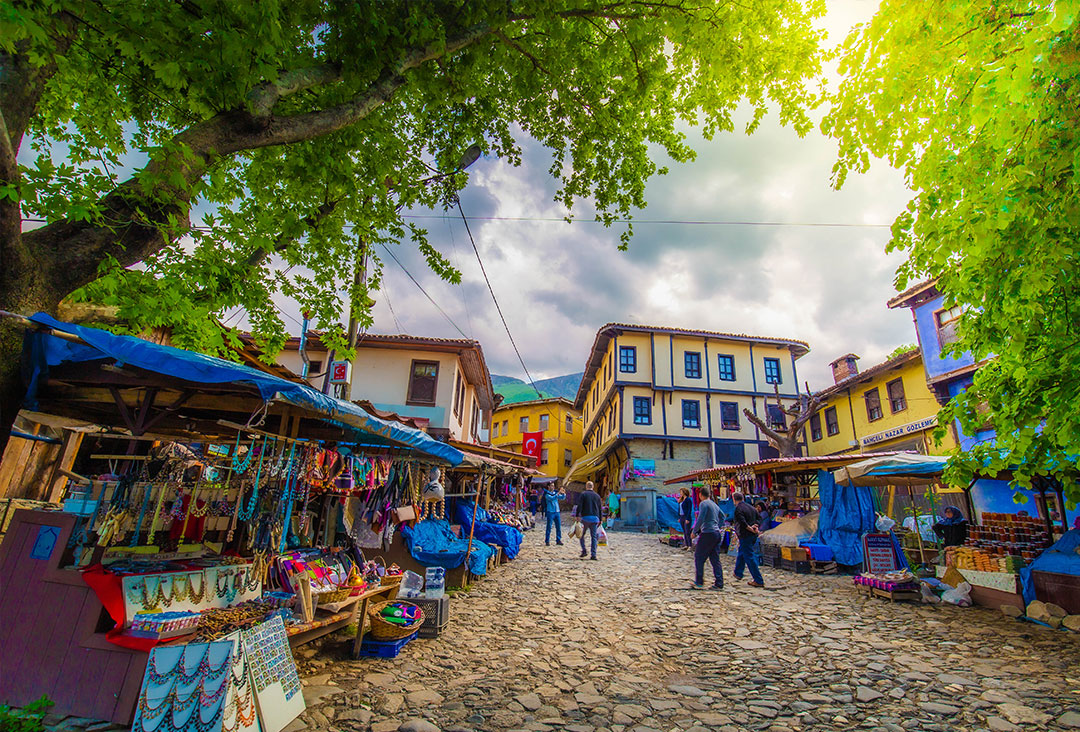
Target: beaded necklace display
x=174 y=471
x=249 y=510
x=191 y=503
x=179 y=669
x=228 y=590
x=286 y=496
x=241 y=706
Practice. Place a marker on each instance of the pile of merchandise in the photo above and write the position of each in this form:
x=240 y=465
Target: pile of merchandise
x=889 y=581
x=1008 y=535
x=403 y=614
x=992 y=559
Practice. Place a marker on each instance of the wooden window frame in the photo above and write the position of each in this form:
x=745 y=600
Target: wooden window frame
x=724 y=425
x=697 y=409
x=722 y=358
x=569 y=424
x=815 y=427
x=523 y=424
x=782 y=424
x=892 y=401
x=567 y=457
x=410 y=399
x=628 y=365
x=832 y=427
x=940 y=323
x=686 y=363
x=646 y=418
x=869 y=409
x=779 y=371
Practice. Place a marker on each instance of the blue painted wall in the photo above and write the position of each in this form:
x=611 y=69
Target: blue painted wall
x=926 y=325
x=996 y=496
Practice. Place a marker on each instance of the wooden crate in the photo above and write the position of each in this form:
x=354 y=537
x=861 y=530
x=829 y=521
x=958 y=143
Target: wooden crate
x=794 y=553
x=822 y=567
x=893 y=595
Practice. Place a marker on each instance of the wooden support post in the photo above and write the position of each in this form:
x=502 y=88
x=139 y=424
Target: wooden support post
x=472 y=525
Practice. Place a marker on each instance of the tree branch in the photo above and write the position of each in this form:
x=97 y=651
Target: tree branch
x=262 y=98
x=772 y=434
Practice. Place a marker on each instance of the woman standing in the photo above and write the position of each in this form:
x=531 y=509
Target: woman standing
x=686 y=515
x=953 y=528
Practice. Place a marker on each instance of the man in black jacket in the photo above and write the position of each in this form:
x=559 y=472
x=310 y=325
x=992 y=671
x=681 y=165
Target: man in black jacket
x=590 y=509
x=747 y=522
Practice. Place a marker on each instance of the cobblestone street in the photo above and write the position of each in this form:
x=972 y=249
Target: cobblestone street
x=551 y=642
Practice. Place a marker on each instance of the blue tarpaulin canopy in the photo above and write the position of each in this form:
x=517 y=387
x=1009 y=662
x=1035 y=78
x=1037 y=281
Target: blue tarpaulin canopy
x=489 y=532
x=47 y=350
x=899 y=469
x=1061 y=558
x=847 y=512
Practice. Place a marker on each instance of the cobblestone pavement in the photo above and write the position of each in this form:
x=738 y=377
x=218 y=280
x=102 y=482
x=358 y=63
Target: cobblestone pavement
x=551 y=642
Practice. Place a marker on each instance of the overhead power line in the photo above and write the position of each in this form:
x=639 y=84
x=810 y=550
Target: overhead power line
x=495 y=299
x=448 y=318
x=675 y=222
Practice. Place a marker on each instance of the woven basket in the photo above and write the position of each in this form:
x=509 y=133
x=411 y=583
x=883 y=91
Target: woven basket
x=391 y=580
x=384 y=630
x=330 y=596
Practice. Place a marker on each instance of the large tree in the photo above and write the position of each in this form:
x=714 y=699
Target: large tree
x=979 y=104
x=305 y=127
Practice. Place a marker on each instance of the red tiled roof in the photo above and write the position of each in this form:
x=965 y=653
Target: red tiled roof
x=872 y=371
x=902 y=299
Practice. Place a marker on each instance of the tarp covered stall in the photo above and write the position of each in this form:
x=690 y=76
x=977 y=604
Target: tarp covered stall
x=792 y=532
x=898 y=469
x=1062 y=558
x=508 y=537
x=586 y=466
x=667 y=513
x=192 y=372
x=432 y=543
x=847 y=513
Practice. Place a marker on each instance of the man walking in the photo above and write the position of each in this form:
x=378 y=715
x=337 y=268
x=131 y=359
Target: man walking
x=747 y=523
x=552 y=494
x=707 y=530
x=589 y=510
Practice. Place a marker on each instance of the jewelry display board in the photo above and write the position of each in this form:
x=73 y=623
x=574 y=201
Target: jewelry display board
x=273 y=674
x=184 y=688
x=240 y=714
x=198 y=589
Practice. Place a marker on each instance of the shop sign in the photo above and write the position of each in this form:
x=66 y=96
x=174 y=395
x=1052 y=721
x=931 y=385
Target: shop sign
x=340 y=372
x=907 y=429
x=45 y=542
x=880 y=553
x=644 y=467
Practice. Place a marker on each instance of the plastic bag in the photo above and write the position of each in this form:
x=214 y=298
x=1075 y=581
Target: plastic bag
x=601 y=536
x=884 y=523
x=412 y=585
x=960 y=595
x=576 y=530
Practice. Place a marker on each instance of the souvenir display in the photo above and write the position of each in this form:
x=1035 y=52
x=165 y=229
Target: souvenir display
x=275 y=682
x=184 y=688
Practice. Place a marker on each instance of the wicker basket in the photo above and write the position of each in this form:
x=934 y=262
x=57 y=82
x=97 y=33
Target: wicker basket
x=384 y=630
x=331 y=596
x=391 y=580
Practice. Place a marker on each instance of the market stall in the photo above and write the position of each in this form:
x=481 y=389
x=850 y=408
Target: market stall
x=210 y=540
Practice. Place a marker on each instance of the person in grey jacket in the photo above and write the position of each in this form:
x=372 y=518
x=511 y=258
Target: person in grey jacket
x=707 y=530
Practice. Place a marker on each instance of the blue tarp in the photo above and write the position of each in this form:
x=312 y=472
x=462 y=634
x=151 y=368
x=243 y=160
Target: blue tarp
x=432 y=543
x=667 y=513
x=507 y=537
x=846 y=514
x=1061 y=558
x=202 y=369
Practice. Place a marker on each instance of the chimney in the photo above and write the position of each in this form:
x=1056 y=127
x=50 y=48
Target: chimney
x=844 y=367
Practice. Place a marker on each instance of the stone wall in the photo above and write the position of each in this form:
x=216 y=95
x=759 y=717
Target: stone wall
x=689 y=456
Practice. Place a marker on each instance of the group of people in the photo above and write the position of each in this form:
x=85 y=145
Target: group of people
x=590 y=512
x=748 y=521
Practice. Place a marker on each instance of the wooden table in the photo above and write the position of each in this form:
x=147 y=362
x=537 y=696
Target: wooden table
x=344 y=613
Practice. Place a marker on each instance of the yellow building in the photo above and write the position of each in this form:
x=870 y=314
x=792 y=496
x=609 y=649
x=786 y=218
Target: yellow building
x=887 y=407
x=658 y=403
x=555 y=417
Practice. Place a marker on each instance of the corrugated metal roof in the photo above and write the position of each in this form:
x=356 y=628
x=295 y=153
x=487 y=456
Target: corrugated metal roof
x=808 y=461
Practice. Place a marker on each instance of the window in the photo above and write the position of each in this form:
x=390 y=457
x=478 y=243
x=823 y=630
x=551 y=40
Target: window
x=314 y=368
x=422 y=381
x=897 y=400
x=475 y=420
x=730 y=453
x=692 y=361
x=772 y=371
x=774 y=416
x=524 y=426
x=691 y=413
x=815 y=427
x=832 y=424
x=642 y=410
x=767 y=452
x=873 y=405
x=729 y=415
x=628 y=359
x=569 y=424
x=567 y=458
x=459 y=395
x=947 y=320
x=506 y=428
x=543 y=422
x=495 y=430
x=611 y=419
x=543 y=456
x=727 y=367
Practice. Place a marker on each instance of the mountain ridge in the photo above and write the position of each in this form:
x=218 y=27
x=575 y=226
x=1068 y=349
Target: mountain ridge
x=515 y=390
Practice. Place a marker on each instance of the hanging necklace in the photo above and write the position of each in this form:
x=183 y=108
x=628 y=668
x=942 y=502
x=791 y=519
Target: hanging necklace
x=287 y=498
x=196 y=597
x=249 y=509
x=241 y=466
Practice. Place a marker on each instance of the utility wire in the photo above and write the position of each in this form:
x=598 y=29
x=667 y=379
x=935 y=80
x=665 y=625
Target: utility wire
x=448 y=318
x=464 y=300
x=680 y=222
x=386 y=291
x=495 y=299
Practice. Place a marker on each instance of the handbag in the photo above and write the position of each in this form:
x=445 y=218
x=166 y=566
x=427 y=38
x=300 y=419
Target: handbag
x=404 y=513
x=577 y=530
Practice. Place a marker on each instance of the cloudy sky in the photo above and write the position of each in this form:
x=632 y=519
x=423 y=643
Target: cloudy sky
x=558 y=283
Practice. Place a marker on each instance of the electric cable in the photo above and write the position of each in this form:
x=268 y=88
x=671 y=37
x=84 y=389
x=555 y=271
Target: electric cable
x=448 y=318
x=495 y=299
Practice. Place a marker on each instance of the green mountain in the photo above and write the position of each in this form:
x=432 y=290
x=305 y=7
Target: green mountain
x=515 y=390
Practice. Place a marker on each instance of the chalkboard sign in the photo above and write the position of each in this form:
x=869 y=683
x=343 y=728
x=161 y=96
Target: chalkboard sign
x=880 y=554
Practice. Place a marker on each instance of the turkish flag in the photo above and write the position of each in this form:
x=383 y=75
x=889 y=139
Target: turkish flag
x=531 y=442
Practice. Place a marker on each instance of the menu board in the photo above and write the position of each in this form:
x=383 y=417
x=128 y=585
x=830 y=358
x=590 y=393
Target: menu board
x=880 y=553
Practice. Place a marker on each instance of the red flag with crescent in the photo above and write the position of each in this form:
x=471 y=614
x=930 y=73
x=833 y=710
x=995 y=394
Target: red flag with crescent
x=531 y=442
